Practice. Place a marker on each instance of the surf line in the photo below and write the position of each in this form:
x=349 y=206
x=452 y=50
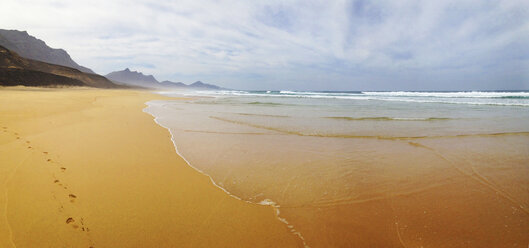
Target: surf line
x=265 y=202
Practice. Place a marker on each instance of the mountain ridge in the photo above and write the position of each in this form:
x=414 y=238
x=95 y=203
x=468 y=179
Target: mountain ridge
x=30 y=47
x=16 y=70
x=133 y=78
x=26 y=58
x=138 y=79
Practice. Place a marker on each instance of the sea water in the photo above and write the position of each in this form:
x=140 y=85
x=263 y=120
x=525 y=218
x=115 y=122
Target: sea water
x=366 y=168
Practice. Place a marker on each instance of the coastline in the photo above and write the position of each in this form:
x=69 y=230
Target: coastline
x=435 y=184
x=86 y=168
x=266 y=202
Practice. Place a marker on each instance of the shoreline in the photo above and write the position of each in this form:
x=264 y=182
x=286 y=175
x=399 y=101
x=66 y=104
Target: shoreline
x=93 y=171
x=266 y=202
x=438 y=191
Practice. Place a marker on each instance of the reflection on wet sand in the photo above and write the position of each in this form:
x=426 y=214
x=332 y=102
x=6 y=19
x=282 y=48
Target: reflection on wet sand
x=435 y=189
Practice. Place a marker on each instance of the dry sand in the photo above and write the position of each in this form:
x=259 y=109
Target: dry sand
x=88 y=168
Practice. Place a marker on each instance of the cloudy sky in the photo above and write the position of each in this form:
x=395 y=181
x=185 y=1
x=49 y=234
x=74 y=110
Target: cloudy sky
x=296 y=45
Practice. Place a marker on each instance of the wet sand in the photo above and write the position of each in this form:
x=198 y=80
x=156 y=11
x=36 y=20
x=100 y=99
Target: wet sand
x=88 y=168
x=452 y=192
x=434 y=190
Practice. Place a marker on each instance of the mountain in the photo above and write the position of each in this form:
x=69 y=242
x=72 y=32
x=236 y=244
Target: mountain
x=133 y=78
x=16 y=70
x=169 y=84
x=30 y=47
x=138 y=79
x=200 y=85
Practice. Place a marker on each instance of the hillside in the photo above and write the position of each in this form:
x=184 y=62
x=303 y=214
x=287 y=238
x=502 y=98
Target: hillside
x=30 y=47
x=16 y=70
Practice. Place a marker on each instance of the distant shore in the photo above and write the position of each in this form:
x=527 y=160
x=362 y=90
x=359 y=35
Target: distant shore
x=87 y=168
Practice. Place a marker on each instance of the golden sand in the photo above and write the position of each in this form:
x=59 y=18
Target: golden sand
x=87 y=168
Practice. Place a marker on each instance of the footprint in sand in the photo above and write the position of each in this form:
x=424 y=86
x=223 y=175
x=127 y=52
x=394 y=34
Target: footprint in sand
x=69 y=220
x=56 y=181
x=61 y=185
x=45 y=153
x=82 y=226
x=27 y=142
x=29 y=147
x=72 y=199
x=63 y=169
x=49 y=160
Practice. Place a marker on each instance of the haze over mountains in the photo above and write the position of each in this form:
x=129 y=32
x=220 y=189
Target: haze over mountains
x=132 y=78
x=138 y=79
x=26 y=60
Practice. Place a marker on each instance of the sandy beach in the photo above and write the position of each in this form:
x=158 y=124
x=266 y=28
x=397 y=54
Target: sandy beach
x=321 y=124
x=387 y=174
x=87 y=168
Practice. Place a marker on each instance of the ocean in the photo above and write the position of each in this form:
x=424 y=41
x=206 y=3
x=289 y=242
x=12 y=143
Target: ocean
x=383 y=169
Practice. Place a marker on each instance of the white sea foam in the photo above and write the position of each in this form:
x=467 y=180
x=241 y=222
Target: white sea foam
x=265 y=202
x=463 y=94
x=468 y=98
x=268 y=202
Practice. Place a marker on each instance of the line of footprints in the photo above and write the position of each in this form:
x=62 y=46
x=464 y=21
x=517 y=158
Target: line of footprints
x=74 y=222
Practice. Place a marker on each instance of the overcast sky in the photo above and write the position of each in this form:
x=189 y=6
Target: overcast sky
x=296 y=45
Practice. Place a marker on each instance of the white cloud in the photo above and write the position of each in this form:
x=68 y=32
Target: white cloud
x=291 y=44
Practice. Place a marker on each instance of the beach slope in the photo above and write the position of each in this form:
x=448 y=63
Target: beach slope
x=88 y=168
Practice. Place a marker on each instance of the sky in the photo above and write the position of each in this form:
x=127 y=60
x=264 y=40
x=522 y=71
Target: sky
x=292 y=45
